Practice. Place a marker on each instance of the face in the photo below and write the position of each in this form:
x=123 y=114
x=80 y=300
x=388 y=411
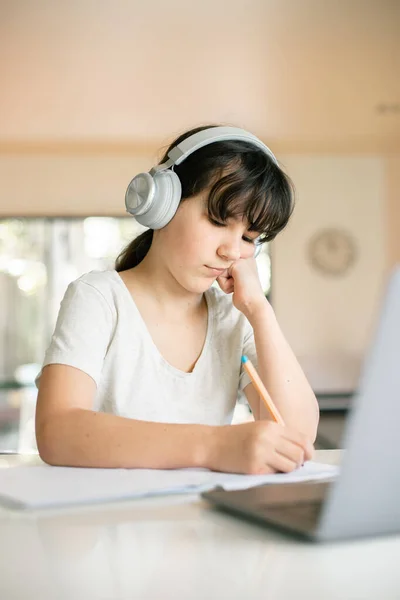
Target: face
x=197 y=250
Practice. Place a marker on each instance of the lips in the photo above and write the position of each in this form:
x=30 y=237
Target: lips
x=216 y=270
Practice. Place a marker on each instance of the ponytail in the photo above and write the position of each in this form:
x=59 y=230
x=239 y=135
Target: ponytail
x=135 y=251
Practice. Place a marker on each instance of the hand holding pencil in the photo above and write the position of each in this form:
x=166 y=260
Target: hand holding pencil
x=261 y=446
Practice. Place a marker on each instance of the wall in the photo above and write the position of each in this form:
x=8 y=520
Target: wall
x=329 y=319
x=68 y=182
x=90 y=90
x=133 y=70
x=392 y=177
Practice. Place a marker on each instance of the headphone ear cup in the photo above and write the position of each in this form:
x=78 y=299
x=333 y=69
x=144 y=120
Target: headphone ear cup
x=139 y=194
x=165 y=201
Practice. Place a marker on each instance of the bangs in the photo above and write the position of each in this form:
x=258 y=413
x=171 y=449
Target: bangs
x=255 y=190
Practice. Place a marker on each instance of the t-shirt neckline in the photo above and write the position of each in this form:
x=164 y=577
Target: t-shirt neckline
x=156 y=351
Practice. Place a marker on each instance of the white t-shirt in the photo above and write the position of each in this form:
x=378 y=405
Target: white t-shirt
x=100 y=331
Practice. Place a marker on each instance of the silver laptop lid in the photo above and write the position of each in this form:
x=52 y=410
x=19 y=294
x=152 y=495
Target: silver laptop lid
x=366 y=498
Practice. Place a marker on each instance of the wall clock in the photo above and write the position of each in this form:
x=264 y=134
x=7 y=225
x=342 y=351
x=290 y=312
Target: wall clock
x=332 y=251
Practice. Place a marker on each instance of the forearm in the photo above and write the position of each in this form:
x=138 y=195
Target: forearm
x=282 y=375
x=83 y=438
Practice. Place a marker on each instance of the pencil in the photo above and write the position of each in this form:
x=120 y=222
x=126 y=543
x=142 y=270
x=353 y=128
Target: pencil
x=260 y=387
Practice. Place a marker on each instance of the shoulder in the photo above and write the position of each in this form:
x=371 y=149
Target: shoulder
x=102 y=281
x=94 y=287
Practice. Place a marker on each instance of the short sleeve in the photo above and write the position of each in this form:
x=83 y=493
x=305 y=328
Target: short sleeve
x=83 y=330
x=249 y=349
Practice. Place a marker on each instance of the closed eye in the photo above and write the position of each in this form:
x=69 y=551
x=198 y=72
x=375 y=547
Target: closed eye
x=216 y=223
x=245 y=238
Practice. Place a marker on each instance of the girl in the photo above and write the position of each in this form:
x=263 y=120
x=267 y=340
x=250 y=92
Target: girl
x=144 y=367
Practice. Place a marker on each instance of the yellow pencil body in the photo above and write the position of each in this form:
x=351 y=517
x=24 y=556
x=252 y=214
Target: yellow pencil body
x=260 y=387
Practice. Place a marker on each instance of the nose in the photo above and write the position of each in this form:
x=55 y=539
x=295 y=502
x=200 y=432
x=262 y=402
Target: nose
x=230 y=250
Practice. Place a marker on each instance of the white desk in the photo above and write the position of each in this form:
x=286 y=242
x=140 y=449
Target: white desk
x=178 y=547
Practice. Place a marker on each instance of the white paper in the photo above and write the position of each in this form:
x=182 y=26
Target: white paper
x=45 y=486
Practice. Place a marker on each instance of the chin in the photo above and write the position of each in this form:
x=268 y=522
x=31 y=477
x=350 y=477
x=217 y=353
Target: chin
x=200 y=289
x=199 y=286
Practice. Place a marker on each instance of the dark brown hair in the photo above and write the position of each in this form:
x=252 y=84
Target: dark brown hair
x=244 y=182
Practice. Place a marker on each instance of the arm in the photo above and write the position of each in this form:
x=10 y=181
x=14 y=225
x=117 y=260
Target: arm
x=69 y=432
x=277 y=364
x=281 y=374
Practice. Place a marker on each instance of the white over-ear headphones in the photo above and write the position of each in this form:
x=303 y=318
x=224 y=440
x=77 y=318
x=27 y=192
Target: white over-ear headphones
x=153 y=198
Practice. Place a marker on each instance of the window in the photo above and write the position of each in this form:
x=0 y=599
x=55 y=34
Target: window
x=39 y=257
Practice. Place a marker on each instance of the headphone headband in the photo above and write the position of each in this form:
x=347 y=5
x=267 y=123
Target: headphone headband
x=202 y=138
x=153 y=197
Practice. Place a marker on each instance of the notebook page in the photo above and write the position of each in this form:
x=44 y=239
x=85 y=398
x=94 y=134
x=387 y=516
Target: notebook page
x=45 y=486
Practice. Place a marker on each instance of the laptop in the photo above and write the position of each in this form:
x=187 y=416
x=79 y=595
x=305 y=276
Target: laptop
x=365 y=498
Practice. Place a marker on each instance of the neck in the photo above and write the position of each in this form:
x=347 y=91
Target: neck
x=156 y=280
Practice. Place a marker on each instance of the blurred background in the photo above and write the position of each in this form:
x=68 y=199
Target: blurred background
x=93 y=90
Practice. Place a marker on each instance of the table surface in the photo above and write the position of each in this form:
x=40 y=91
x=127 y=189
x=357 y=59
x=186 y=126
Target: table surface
x=179 y=547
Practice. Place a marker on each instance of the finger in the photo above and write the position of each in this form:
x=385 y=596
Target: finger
x=309 y=452
x=300 y=439
x=225 y=274
x=223 y=285
x=281 y=463
x=229 y=290
x=226 y=284
x=291 y=451
x=262 y=469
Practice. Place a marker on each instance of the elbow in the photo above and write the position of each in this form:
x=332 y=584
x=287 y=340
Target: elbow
x=47 y=444
x=306 y=420
x=314 y=421
x=309 y=420
x=48 y=459
x=44 y=446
